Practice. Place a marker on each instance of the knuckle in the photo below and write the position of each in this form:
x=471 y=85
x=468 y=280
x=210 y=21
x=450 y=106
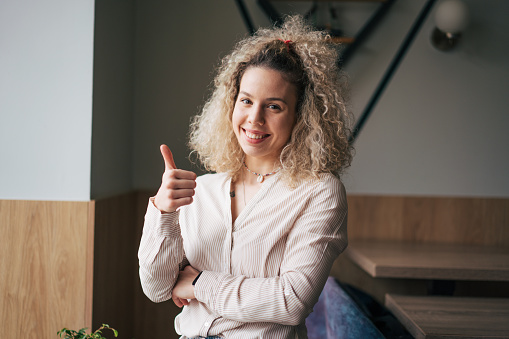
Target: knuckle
x=172 y=183
x=172 y=173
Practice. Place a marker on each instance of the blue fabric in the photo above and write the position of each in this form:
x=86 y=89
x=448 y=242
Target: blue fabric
x=336 y=315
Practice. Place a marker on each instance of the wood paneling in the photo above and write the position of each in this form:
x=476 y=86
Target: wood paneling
x=153 y=320
x=58 y=257
x=114 y=263
x=469 y=221
x=118 y=298
x=89 y=287
x=75 y=265
x=411 y=219
x=44 y=282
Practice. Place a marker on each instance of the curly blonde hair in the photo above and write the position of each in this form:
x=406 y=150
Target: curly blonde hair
x=319 y=140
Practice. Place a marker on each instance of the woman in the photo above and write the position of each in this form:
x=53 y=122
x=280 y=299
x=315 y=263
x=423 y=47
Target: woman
x=247 y=250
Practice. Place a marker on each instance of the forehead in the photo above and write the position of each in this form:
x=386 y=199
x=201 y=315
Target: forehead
x=266 y=82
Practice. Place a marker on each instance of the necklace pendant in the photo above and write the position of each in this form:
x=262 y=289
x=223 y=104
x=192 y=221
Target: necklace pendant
x=260 y=178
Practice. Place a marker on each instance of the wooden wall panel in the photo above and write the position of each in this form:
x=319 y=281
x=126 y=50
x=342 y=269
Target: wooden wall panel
x=114 y=264
x=118 y=298
x=153 y=320
x=58 y=257
x=43 y=265
x=469 y=221
x=479 y=221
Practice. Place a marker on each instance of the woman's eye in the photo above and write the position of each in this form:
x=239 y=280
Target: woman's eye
x=245 y=101
x=273 y=106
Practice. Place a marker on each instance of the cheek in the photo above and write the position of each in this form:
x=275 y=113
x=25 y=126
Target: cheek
x=289 y=124
x=289 y=132
x=284 y=129
x=236 y=120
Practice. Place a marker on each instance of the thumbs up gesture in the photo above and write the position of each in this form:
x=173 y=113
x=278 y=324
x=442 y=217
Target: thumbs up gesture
x=177 y=186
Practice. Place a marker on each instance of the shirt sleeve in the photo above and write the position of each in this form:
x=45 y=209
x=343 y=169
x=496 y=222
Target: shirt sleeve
x=317 y=238
x=161 y=253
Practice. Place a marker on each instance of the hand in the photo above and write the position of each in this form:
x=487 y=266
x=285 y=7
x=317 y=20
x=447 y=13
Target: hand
x=184 y=289
x=177 y=186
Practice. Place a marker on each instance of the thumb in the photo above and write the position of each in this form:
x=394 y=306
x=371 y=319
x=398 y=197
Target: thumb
x=168 y=157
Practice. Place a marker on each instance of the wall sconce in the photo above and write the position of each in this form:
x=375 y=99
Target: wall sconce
x=451 y=18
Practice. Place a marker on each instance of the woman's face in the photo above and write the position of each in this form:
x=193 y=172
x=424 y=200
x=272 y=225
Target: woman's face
x=264 y=113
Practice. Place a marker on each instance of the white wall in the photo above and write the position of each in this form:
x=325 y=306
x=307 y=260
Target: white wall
x=441 y=126
x=437 y=130
x=46 y=50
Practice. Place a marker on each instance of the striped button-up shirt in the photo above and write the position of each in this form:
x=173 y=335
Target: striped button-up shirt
x=263 y=273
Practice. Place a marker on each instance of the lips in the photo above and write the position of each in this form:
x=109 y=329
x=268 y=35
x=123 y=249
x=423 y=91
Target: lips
x=255 y=137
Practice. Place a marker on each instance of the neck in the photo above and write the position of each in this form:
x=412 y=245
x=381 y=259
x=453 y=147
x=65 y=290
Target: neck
x=261 y=166
x=263 y=171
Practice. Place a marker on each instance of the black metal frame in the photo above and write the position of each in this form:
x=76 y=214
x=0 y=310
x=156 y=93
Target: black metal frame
x=271 y=12
x=365 y=31
x=391 y=69
x=348 y=51
x=245 y=16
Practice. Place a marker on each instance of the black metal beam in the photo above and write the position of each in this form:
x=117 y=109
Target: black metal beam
x=271 y=12
x=365 y=31
x=392 y=68
x=245 y=16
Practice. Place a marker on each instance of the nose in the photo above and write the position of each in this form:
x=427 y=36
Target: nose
x=256 y=115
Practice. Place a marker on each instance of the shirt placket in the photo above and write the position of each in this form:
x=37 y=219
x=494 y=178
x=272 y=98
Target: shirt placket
x=204 y=331
x=227 y=250
x=227 y=244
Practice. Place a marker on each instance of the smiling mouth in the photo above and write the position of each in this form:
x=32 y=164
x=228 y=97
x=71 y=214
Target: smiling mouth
x=255 y=136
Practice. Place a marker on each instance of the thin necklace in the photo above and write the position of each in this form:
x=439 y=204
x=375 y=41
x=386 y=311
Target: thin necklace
x=261 y=177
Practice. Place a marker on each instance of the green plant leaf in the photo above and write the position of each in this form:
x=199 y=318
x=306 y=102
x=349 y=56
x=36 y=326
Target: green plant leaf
x=81 y=334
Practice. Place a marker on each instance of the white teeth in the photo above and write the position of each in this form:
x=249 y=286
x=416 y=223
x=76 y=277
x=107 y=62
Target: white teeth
x=255 y=136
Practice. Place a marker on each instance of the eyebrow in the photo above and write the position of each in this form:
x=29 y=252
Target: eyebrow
x=269 y=99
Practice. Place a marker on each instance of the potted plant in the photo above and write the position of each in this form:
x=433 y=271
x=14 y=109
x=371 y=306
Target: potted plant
x=72 y=334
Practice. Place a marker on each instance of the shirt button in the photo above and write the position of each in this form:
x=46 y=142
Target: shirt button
x=206 y=324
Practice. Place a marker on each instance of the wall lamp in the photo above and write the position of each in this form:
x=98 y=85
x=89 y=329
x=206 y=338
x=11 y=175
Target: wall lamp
x=451 y=18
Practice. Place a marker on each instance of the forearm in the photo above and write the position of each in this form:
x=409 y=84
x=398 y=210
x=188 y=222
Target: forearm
x=160 y=254
x=315 y=242
x=286 y=299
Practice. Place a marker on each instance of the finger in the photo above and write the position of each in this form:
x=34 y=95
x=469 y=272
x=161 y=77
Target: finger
x=182 y=174
x=180 y=184
x=177 y=301
x=176 y=184
x=184 y=302
x=180 y=193
x=191 y=270
x=168 y=157
x=177 y=203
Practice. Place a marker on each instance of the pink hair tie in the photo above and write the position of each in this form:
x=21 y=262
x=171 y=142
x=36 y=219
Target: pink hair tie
x=287 y=43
